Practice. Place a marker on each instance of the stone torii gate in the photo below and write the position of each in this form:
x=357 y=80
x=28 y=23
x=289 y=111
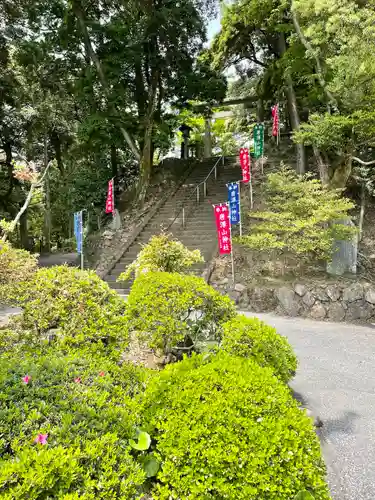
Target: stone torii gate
x=206 y=110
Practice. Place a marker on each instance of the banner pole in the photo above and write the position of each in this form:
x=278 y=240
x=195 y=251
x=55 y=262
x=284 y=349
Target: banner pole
x=251 y=193
x=231 y=253
x=262 y=161
x=113 y=197
x=239 y=206
x=82 y=261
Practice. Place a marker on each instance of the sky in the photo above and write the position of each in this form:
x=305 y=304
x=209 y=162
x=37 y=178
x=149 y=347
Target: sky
x=213 y=28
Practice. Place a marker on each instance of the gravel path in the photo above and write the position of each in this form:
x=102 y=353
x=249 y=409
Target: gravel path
x=336 y=376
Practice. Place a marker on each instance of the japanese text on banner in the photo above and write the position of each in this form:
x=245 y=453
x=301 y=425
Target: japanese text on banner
x=275 y=114
x=223 y=228
x=110 y=203
x=234 y=202
x=245 y=165
x=258 y=140
x=78 y=230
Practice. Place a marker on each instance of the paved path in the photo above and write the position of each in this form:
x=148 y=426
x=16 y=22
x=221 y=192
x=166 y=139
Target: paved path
x=337 y=378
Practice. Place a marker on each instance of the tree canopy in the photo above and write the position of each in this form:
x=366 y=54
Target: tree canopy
x=89 y=86
x=317 y=58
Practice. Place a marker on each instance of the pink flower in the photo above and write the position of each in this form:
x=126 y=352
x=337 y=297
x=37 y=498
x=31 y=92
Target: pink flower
x=41 y=438
x=101 y=374
x=78 y=380
x=26 y=379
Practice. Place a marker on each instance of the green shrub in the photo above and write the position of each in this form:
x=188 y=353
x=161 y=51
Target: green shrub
x=77 y=304
x=251 y=338
x=169 y=308
x=300 y=216
x=84 y=403
x=101 y=468
x=226 y=428
x=15 y=265
x=162 y=254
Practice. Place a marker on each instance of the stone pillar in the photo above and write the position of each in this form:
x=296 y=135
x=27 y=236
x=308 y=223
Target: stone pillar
x=207 y=137
x=345 y=254
x=186 y=143
x=185 y=130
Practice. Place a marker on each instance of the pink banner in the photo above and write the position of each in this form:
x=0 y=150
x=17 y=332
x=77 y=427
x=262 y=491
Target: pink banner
x=223 y=228
x=110 y=203
x=245 y=165
x=275 y=114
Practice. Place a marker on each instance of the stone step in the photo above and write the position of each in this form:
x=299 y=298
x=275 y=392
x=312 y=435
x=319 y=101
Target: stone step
x=200 y=231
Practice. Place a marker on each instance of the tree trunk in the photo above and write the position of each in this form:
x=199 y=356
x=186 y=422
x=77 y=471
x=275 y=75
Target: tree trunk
x=146 y=165
x=293 y=110
x=26 y=204
x=24 y=233
x=56 y=143
x=341 y=173
x=260 y=111
x=8 y=160
x=114 y=162
x=47 y=215
x=362 y=212
x=79 y=13
x=319 y=70
x=323 y=167
x=146 y=160
x=207 y=137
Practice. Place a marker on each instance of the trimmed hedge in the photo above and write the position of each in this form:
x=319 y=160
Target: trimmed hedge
x=85 y=405
x=162 y=253
x=252 y=338
x=166 y=309
x=15 y=265
x=227 y=428
x=80 y=307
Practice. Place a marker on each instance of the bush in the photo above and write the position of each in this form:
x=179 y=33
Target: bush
x=84 y=404
x=301 y=217
x=77 y=305
x=227 y=428
x=251 y=338
x=167 y=309
x=15 y=265
x=162 y=254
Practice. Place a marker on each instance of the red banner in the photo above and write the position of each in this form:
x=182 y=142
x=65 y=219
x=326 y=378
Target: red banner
x=275 y=114
x=245 y=165
x=223 y=228
x=110 y=203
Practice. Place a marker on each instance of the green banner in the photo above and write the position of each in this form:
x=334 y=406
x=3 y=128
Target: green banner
x=258 y=140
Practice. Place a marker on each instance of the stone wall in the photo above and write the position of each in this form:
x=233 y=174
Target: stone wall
x=352 y=301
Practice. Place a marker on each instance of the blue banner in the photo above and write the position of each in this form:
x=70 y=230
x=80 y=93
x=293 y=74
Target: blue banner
x=234 y=202
x=78 y=230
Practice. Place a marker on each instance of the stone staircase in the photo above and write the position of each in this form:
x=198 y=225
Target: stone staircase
x=199 y=231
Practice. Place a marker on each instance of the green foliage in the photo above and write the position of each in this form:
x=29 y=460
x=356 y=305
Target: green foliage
x=327 y=132
x=143 y=442
x=162 y=254
x=253 y=339
x=226 y=428
x=304 y=495
x=100 y=468
x=15 y=265
x=301 y=217
x=78 y=305
x=147 y=59
x=167 y=309
x=84 y=404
